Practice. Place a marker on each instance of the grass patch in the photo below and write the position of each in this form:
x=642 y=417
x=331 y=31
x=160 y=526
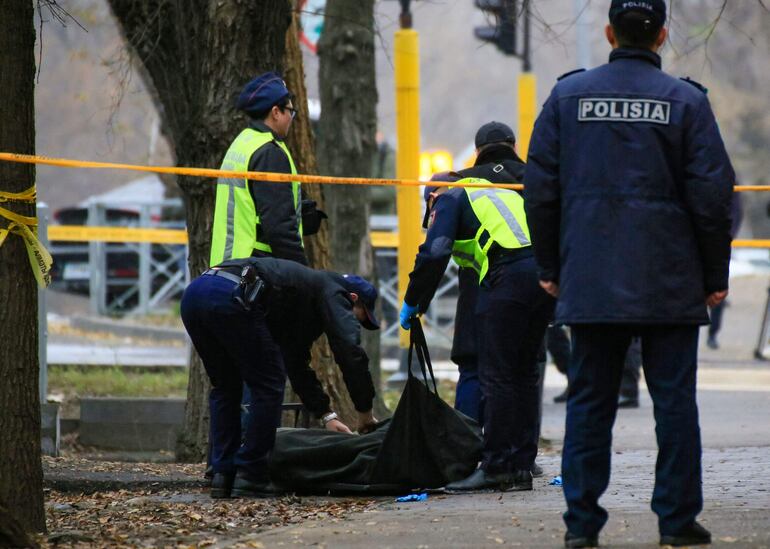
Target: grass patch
x=74 y=382
x=446 y=389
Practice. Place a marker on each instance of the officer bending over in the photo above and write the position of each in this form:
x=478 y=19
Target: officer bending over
x=252 y=320
x=485 y=229
x=628 y=189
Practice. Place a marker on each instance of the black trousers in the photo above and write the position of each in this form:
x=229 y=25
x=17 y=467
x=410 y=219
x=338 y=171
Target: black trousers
x=236 y=348
x=669 y=357
x=513 y=315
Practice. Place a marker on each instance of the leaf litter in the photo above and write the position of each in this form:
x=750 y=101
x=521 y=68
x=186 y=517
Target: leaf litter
x=162 y=517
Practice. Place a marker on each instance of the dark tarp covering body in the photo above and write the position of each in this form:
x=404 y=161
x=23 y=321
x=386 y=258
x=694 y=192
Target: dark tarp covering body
x=426 y=444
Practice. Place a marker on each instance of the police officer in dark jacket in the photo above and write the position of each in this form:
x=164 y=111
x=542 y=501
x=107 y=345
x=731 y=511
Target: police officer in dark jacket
x=628 y=189
x=496 y=161
x=485 y=229
x=252 y=320
x=260 y=218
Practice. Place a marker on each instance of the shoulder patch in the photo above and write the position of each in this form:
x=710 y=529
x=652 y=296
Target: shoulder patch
x=698 y=85
x=570 y=73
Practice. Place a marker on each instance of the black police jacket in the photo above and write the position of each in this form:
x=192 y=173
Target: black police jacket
x=301 y=304
x=628 y=190
x=275 y=202
x=498 y=165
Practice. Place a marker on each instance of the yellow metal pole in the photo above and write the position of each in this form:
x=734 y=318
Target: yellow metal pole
x=527 y=111
x=408 y=203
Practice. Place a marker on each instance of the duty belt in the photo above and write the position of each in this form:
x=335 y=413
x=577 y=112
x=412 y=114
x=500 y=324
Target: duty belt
x=223 y=274
x=498 y=254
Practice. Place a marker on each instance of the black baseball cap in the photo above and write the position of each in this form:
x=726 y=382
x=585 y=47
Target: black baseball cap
x=655 y=8
x=494 y=132
x=367 y=294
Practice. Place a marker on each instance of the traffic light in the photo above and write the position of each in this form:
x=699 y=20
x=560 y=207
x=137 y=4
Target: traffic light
x=503 y=34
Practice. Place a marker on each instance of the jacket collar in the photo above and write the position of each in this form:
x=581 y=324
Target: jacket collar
x=635 y=53
x=497 y=155
x=260 y=126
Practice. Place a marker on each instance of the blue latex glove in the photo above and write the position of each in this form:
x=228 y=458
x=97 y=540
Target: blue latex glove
x=413 y=497
x=406 y=315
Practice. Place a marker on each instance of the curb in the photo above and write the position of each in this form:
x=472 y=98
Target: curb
x=125 y=329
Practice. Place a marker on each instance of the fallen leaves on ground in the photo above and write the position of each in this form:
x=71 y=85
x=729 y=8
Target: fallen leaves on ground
x=77 y=465
x=166 y=518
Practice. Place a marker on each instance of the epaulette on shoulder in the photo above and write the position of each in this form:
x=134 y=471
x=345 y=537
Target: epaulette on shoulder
x=570 y=73
x=698 y=85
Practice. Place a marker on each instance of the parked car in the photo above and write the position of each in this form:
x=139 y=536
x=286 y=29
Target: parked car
x=72 y=272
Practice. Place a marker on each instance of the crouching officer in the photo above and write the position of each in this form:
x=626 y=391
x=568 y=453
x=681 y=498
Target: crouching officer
x=484 y=228
x=628 y=189
x=252 y=319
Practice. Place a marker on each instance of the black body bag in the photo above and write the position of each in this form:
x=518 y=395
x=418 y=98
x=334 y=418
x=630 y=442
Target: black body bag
x=426 y=444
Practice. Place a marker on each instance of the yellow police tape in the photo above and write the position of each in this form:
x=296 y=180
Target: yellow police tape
x=267 y=176
x=39 y=258
x=261 y=176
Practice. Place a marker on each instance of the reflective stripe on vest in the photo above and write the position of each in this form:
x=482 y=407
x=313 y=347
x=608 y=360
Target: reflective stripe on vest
x=503 y=222
x=234 y=234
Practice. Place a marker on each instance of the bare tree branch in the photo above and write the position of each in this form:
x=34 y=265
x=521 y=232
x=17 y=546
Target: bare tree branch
x=59 y=14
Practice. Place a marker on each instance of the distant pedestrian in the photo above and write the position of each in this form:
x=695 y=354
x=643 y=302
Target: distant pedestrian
x=629 y=379
x=628 y=189
x=558 y=344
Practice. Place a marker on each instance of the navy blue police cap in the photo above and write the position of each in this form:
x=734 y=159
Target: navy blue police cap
x=655 y=8
x=261 y=94
x=367 y=294
x=494 y=132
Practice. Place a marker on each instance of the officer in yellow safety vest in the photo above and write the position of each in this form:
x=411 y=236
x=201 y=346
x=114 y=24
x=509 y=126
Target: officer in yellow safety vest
x=261 y=218
x=485 y=228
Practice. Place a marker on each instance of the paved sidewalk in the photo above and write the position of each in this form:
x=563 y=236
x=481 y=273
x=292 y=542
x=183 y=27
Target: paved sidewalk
x=737 y=511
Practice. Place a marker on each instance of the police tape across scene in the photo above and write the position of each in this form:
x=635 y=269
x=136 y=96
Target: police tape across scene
x=266 y=176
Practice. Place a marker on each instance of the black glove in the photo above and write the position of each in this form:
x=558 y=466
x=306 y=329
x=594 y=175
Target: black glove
x=311 y=217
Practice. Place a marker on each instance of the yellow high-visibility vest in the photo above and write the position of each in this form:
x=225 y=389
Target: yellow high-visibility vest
x=503 y=222
x=235 y=233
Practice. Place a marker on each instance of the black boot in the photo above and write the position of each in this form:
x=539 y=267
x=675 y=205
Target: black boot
x=628 y=402
x=221 y=485
x=571 y=540
x=480 y=481
x=536 y=470
x=562 y=397
x=243 y=487
x=695 y=534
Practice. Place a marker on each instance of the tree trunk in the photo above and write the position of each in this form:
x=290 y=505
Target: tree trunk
x=12 y=533
x=301 y=143
x=21 y=474
x=346 y=141
x=196 y=55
